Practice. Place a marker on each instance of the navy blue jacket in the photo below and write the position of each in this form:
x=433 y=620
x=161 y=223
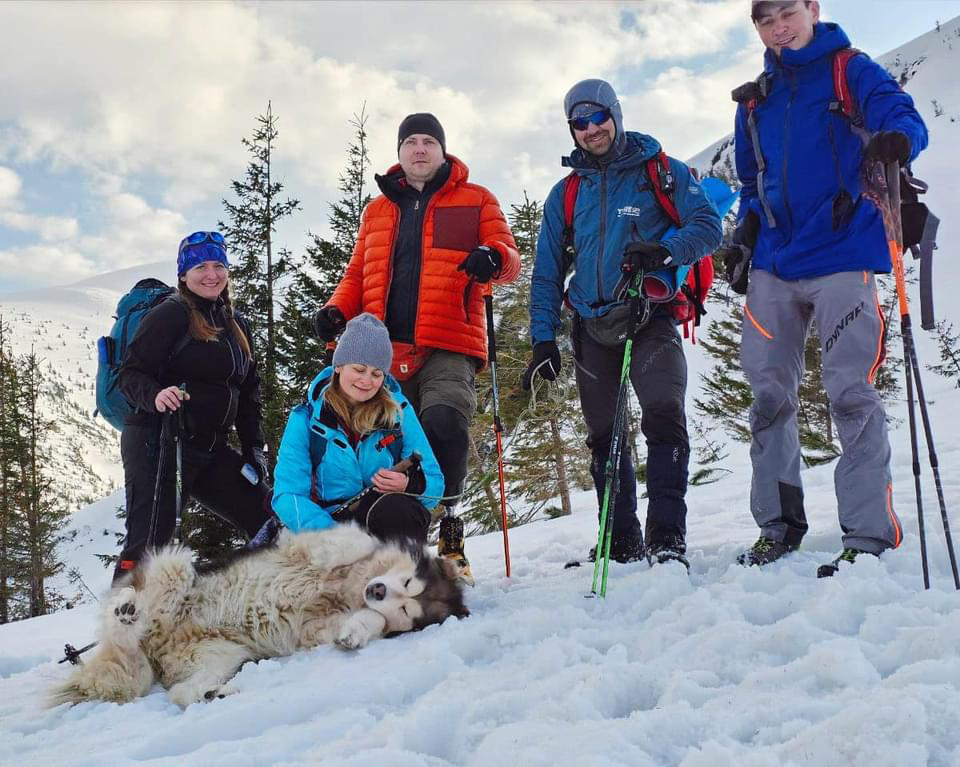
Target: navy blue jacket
x=812 y=154
x=615 y=205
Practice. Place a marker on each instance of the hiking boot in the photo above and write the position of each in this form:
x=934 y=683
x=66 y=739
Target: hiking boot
x=847 y=555
x=450 y=546
x=672 y=549
x=765 y=551
x=626 y=546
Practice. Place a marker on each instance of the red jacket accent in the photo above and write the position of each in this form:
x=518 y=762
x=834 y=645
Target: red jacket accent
x=460 y=216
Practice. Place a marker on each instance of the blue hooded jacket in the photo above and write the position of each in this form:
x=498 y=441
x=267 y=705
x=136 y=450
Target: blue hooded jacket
x=615 y=205
x=812 y=155
x=344 y=470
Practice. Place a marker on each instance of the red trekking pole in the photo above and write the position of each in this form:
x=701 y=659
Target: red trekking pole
x=497 y=427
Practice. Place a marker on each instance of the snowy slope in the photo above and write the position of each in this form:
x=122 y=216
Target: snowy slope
x=726 y=666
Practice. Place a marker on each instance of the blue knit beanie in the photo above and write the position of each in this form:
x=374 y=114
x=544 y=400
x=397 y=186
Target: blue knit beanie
x=199 y=247
x=365 y=341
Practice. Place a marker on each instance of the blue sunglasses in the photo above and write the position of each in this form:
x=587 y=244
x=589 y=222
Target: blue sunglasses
x=199 y=238
x=597 y=118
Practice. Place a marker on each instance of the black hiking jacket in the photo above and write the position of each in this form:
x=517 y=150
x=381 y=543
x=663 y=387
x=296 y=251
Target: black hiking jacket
x=222 y=381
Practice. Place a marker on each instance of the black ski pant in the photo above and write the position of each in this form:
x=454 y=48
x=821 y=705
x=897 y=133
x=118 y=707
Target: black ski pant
x=442 y=394
x=658 y=374
x=392 y=517
x=212 y=478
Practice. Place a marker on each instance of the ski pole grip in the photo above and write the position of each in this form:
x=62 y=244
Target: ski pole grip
x=491 y=337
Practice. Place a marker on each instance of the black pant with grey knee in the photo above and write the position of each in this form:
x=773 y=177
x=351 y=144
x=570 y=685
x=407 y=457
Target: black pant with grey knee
x=212 y=478
x=658 y=372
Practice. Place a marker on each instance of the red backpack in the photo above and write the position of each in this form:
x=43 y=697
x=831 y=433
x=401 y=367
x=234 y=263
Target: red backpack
x=688 y=306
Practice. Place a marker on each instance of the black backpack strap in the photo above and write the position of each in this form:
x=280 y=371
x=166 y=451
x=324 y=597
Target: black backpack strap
x=749 y=96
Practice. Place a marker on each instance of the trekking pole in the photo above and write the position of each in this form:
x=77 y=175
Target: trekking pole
x=161 y=466
x=911 y=364
x=497 y=427
x=611 y=489
x=178 y=438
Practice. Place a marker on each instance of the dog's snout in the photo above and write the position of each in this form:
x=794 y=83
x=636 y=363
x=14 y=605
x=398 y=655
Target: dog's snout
x=376 y=591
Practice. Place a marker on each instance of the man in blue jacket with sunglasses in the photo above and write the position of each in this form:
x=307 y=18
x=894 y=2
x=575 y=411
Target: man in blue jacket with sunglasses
x=620 y=228
x=815 y=232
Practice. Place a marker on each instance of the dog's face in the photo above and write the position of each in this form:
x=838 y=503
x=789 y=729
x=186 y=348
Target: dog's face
x=416 y=594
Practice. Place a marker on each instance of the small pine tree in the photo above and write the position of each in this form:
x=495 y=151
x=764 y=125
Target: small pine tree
x=253 y=220
x=314 y=279
x=948 y=344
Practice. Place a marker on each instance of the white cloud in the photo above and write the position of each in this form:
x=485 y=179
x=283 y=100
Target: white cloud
x=149 y=101
x=10 y=185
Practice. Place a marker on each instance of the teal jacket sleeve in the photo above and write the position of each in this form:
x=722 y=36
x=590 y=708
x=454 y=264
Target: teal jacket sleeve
x=293 y=478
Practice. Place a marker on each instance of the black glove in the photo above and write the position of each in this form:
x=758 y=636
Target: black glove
x=482 y=263
x=736 y=257
x=545 y=363
x=328 y=322
x=887 y=146
x=644 y=257
x=255 y=457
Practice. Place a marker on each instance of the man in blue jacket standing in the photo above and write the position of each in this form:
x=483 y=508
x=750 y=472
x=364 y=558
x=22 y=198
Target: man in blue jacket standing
x=618 y=229
x=816 y=239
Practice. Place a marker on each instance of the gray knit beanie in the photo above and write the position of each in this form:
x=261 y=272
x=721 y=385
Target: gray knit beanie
x=365 y=341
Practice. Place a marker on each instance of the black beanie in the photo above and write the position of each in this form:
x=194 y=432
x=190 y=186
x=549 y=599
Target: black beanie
x=421 y=122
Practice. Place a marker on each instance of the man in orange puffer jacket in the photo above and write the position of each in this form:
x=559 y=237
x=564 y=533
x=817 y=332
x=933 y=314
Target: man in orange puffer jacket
x=427 y=250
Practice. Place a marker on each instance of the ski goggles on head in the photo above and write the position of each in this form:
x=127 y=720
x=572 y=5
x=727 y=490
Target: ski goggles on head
x=199 y=238
x=594 y=118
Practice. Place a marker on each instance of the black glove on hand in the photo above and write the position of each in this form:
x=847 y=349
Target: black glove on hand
x=482 y=263
x=887 y=146
x=644 y=257
x=737 y=257
x=328 y=322
x=255 y=457
x=547 y=353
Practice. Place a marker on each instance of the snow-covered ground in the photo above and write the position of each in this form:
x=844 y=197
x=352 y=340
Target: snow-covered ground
x=725 y=666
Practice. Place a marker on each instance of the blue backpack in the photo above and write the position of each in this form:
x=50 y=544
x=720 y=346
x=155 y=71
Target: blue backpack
x=131 y=309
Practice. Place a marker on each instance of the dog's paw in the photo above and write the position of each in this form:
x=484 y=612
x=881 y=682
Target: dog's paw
x=125 y=606
x=352 y=638
x=220 y=692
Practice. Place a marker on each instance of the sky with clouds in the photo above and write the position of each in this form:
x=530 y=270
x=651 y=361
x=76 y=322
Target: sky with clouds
x=120 y=122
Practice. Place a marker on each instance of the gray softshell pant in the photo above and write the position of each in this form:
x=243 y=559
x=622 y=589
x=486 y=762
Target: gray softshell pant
x=777 y=316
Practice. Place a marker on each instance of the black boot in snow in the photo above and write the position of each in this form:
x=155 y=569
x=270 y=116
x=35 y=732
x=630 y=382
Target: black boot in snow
x=450 y=545
x=765 y=551
x=847 y=555
x=625 y=546
x=669 y=549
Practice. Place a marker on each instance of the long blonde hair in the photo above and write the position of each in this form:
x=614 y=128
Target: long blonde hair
x=378 y=412
x=202 y=330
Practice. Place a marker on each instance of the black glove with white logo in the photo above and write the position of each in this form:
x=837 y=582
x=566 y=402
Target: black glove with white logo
x=545 y=363
x=736 y=257
x=645 y=257
x=482 y=264
x=328 y=323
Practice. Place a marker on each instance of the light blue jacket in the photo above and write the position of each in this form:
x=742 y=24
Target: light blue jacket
x=615 y=205
x=304 y=496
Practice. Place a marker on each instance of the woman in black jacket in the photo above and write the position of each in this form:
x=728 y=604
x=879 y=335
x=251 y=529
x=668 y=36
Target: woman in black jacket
x=193 y=338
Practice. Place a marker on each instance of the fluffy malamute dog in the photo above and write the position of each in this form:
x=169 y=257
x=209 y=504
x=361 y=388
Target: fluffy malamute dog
x=191 y=630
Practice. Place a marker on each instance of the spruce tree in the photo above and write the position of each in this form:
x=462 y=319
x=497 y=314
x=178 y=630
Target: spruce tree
x=314 y=279
x=948 y=344
x=257 y=264
x=11 y=533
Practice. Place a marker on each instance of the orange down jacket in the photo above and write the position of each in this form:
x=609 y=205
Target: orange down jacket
x=460 y=216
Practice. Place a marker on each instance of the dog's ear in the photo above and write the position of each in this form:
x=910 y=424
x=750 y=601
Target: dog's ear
x=461 y=611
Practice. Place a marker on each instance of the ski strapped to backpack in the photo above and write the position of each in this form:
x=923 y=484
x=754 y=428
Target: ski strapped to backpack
x=919 y=224
x=131 y=309
x=685 y=301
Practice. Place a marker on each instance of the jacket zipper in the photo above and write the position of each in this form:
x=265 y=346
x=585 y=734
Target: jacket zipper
x=792 y=78
x=602 y=234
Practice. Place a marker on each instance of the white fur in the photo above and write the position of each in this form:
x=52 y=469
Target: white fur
x=195 y=631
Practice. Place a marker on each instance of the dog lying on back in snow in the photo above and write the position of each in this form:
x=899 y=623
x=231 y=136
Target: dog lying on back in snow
x=192 y=630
